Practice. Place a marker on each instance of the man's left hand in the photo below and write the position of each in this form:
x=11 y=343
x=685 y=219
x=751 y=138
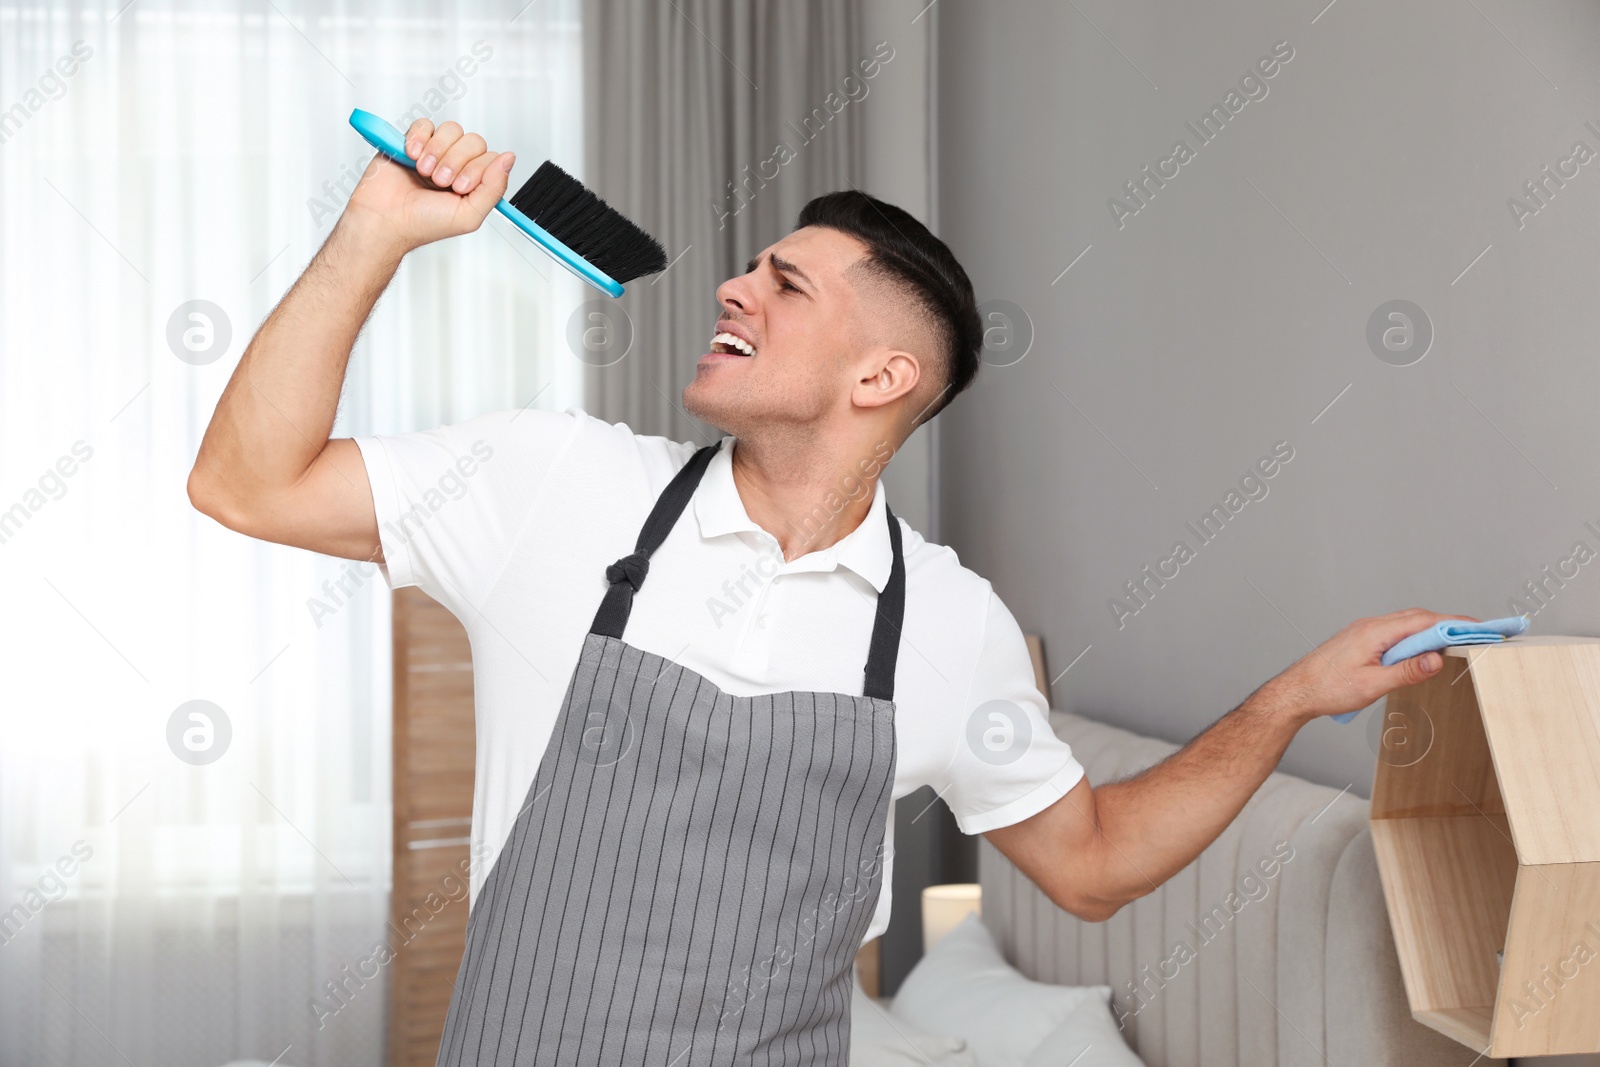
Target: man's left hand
x=1345 y=672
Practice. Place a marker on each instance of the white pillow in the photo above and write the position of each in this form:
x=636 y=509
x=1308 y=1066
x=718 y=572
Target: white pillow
x=876 y=1040
x=964 y=986
x=1088 y=1037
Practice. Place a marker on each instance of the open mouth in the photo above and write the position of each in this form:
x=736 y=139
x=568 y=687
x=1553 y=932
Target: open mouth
x=728 y=345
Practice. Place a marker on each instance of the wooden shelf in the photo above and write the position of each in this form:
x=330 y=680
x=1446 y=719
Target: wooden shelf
x=1487 y=835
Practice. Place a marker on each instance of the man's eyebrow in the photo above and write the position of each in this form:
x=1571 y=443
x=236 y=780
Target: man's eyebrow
x=781 y=264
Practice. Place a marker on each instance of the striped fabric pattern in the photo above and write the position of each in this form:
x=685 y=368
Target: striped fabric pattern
x=688 y=882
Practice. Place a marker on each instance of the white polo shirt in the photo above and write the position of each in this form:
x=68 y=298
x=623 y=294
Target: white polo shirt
x=511 y=519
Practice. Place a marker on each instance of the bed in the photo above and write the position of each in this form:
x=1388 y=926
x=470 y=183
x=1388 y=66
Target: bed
x=1290 y=959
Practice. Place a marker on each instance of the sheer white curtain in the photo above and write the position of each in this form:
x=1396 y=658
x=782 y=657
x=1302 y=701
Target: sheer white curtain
x=157 y=909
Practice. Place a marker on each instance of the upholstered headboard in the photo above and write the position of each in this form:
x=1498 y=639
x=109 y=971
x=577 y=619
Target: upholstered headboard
x=1272 y=948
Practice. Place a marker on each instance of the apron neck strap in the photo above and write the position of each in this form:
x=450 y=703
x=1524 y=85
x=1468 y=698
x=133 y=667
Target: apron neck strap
x=627 y=576
x=885 y=648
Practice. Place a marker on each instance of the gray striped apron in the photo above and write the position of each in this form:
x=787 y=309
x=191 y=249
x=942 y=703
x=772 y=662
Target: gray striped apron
x=693 y=872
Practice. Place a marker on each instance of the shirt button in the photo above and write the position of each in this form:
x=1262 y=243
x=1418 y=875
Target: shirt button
x=761 y=621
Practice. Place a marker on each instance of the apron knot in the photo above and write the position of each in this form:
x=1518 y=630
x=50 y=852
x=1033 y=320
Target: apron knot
x=630 y=569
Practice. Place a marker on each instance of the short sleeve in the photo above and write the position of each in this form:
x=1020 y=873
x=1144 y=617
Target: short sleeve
x=1009 y=764
x=451 y=501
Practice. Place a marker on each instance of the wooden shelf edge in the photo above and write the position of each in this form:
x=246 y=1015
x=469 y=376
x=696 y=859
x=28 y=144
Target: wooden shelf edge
x=1469 y=1026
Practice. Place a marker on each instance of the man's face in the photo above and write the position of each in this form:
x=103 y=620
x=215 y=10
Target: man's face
x=797 y=309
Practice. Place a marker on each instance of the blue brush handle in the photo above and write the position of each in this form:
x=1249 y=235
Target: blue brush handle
x=392 y=143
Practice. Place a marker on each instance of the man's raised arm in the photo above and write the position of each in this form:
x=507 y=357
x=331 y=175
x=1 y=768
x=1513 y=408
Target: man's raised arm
x=266 y=467
x=1098 y=848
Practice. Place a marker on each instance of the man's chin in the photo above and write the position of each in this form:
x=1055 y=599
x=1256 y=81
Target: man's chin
x=701 y=402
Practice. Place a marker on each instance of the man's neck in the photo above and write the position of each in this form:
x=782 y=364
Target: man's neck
x=807 y=496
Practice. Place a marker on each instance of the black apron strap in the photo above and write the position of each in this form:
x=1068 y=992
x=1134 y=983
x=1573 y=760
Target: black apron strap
x=885 y=648
x=627 y=574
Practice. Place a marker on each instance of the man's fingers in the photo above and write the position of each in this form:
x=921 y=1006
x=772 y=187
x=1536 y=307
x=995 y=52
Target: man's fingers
x=1389 y=630
x=491 y=185
x=1414 y=612
x=465 y=150
x=472 y=173
x=1404 y=613
x=417 y=135
x=446 y=135
x=1413 y=670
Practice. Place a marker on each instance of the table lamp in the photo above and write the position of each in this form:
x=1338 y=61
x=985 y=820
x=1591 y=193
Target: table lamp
x=943 y=908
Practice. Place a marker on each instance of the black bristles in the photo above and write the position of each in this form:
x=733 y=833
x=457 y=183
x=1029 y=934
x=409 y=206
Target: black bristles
x=588 y=225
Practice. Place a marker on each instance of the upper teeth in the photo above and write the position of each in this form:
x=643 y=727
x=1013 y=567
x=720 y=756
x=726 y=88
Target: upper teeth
x=734 y=342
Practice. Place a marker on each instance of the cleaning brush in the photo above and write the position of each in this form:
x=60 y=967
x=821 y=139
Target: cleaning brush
x=581 y=231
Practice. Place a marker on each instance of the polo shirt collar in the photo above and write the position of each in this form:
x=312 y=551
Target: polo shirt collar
x=865 y=550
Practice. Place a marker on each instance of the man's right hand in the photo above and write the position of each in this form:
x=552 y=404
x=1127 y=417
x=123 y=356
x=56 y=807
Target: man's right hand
x=1346 y=672
x=456 y=184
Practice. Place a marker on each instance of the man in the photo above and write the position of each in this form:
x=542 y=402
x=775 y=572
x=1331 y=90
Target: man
x=688 y=806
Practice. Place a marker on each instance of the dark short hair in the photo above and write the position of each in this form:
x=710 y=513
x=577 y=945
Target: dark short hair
x=902 y=250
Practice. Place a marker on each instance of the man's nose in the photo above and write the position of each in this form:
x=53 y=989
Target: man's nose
x=732 y=296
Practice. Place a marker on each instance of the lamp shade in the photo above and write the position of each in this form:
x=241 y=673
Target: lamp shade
x=943 y=908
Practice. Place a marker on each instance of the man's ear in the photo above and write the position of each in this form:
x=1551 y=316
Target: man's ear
x=891 y=374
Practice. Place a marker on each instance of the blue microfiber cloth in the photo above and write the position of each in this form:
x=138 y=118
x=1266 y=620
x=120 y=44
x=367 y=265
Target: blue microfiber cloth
x=1450 y=632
